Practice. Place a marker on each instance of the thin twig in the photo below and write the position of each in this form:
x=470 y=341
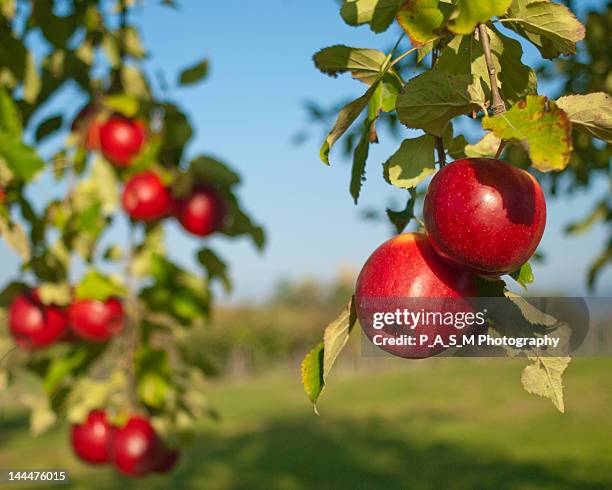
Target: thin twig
x=497 y=103
x=438 y=139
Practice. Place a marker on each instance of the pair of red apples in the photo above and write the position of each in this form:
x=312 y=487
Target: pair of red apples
x=145 y=197
x=35 y=325
x=135 y=449
x=483 y=217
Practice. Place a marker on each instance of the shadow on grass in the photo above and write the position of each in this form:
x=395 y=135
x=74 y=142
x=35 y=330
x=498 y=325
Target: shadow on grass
x=332 y=454
x=350 y=455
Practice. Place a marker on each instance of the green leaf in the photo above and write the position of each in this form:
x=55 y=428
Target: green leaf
x=364 y=64
x=421 y=20
x=360 y=156
x=312 y=374
x=98 y=286
x=48 y=126
x=210 y=170
x=21 y=159
x=10 y=120
x=543 y=377
x=590 y=113
x=42 y=417
x=379 y=14
x=430 y=100
x=524 y=276
x=133 y=45
x=61 y=367
x=486 y=147
x=152 y=246
x=32 y=82
x=318 y=363
x=540 y=127
x=125 y=104
x=551 y=27
x=15 y=237
x=464 y=54
x=215 y=267
x=134 y=82
x=194 y=74
x=400 y=219
x=346 y=117
x=470 y=13
x=412 y=162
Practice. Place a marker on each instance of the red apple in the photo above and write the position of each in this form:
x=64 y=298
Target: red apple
x=203 y=212
x=33 y=324
x=146 y=198
x=95 y=320
x=405 y=272
x=86 y=124
x=2 y=196
x=136 y=447
x=121 y=139
x=485 y=215
x=91 y=440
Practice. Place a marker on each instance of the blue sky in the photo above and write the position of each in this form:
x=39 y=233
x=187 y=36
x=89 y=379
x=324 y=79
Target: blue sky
x=247 y=112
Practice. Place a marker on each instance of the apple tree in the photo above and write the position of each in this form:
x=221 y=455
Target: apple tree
x=95 y=328
x=457 y=68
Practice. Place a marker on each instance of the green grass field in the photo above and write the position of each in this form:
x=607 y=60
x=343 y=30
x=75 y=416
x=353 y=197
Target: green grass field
x=438 y=424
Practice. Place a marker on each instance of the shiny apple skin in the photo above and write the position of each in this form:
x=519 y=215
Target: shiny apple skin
x=121 y=139
x=202 y=213
x=136 y=448
x=91 y=441
x=34 y=325
x=96 y=321
x=485 y=215
x=406 y=266
x=146 y=198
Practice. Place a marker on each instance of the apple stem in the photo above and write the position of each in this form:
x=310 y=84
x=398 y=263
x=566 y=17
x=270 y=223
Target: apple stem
x=497 y=103
x=438 y=139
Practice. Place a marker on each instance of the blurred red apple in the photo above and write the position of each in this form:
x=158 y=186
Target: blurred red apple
x=33 y=324
x=91 y=440
x=136 y=447
x=405 y=272
x=121 y=139
x=485 y=215
x=96 y=321
x=146 y=198
x=203 y=212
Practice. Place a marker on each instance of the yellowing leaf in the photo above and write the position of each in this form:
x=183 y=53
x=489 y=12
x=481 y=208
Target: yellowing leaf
x=411 y=163
x=540 y=127
x=421 y=20
x=591 y=113
x=543 y=377
x=486 y=147
x=470 y=13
